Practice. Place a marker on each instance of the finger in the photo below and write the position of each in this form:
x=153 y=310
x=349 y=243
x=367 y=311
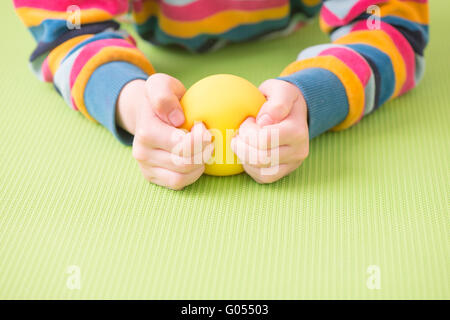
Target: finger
x=163 y=159
x=280 y=98
x=194 y=142
x=292 y=130
x=262 y=158
x=170 y=179
x=164 y=93
x=261 y=138
x=271 y=174
x=208 y=153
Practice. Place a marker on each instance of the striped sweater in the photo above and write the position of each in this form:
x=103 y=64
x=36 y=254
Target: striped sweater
x=376 y=52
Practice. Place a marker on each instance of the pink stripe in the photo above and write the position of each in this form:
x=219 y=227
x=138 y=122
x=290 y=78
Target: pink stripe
x=403 y=47
x=90 y=50
x=46 y=72
x=328 y=17
x=113 y=7
x=201 y=9
x=353 y=60
x=361 y=6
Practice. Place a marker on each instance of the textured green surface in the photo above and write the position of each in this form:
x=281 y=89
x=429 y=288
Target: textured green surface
x=376 y=194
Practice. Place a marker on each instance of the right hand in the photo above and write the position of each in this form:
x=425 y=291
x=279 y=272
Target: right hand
x=166 y=155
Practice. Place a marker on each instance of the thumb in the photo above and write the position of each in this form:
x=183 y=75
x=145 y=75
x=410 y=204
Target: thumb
x=278 y=105
x=168 y=108
x=164 y=93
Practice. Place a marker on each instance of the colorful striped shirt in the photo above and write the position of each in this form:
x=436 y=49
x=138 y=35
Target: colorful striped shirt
x=376 y=53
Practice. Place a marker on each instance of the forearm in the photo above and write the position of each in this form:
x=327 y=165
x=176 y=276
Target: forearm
x=367 y=64
x=85 y=54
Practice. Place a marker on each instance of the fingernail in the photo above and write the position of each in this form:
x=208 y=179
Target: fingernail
x=176 y=117
x=264 y=120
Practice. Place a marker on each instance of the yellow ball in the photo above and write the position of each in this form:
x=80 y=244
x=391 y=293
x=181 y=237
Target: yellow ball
x=222 y=102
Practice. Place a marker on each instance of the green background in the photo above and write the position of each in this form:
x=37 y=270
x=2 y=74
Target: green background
x=376 y=194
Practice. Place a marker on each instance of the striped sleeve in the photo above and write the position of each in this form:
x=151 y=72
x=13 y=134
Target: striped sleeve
x=82 y=51
x=376 y=54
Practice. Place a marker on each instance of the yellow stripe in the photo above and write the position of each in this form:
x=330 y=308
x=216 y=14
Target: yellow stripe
x=326 y=28
x=353 y=87
x=219 y=22
x=413 y=11
x=149 y=8
x=106 y=55
x=57 y=54
x=380 y=40
x=34 y=17
x=311 y=3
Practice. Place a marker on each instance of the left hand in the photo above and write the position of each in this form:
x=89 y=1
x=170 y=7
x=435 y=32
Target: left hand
x=264 y=157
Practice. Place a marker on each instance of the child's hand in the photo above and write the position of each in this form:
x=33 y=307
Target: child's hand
x=166 y=155
x=264 y=158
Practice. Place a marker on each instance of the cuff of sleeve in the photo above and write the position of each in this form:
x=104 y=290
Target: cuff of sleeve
x=102 y=92
x=325 y=97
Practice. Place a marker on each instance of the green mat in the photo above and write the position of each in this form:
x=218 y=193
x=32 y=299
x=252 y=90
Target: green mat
x=376 y=194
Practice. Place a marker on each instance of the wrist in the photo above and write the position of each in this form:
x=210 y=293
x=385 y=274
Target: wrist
x=126 y=108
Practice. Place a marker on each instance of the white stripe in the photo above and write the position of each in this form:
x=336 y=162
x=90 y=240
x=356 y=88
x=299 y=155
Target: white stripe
x=62 y=77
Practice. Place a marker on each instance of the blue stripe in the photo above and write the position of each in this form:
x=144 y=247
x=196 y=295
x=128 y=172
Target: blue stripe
x=298 y=5
x=384 y=67
x=48 y=30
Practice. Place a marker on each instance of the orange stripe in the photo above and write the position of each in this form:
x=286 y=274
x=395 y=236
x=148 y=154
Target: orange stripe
x=411 y=10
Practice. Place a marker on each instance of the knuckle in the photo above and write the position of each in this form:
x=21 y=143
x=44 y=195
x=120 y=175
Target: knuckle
x=156 y=78
x=281 y=109
x=139 y=153
x=145 y=134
